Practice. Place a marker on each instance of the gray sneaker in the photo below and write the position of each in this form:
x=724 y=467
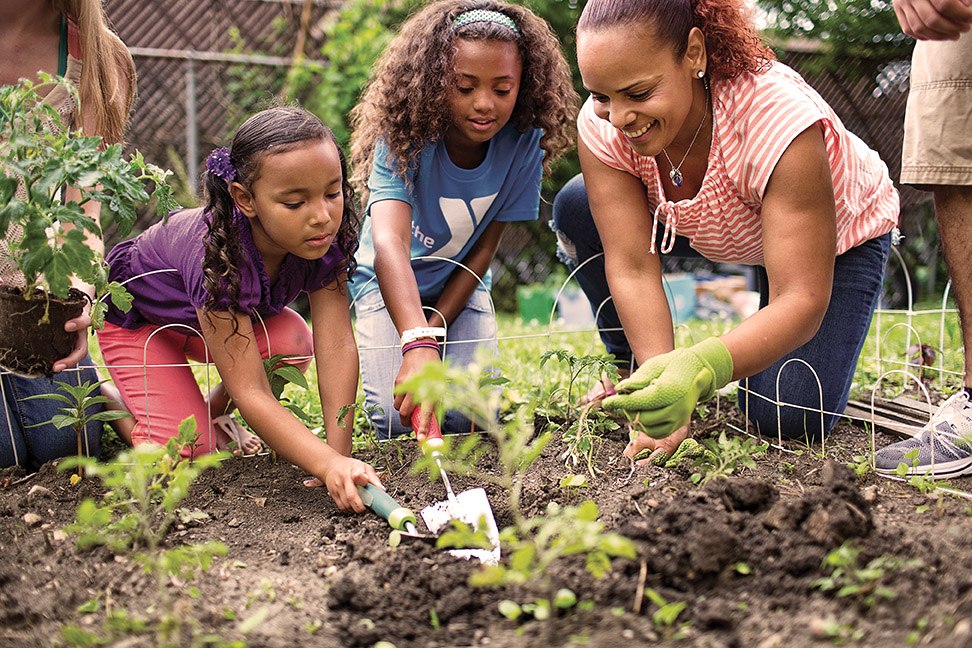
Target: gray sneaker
x=951 y=429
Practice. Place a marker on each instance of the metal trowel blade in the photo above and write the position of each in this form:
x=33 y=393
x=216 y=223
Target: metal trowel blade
x=473 y=507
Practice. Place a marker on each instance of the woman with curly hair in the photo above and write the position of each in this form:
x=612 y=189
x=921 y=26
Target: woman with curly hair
x=279 y=221
x=704 y=142
x=467 y=109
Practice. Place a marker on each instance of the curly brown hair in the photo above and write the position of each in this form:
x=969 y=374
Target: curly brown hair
x=275 y=130
x=732 y=43
x=407 y=101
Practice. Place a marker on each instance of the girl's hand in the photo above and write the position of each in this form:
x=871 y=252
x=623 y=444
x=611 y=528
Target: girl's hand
x=668 y=445
x=343 y=477
x=81 y=323
x=412 y=363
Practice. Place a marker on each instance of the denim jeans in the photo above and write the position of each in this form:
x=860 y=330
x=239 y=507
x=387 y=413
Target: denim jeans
x=31 y=447
x=832 y=352
x=381 y=355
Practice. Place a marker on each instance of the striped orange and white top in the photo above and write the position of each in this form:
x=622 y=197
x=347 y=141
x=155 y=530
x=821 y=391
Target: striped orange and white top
x=755 y=118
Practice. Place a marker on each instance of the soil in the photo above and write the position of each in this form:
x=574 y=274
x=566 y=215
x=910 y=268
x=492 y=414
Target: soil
x=48 y=342
x=742 y=553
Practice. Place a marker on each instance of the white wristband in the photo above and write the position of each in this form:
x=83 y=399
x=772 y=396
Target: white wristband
x=413 y=334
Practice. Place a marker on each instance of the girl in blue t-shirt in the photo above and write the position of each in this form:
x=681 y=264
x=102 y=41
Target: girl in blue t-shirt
x=279 y=221
x=468 y=107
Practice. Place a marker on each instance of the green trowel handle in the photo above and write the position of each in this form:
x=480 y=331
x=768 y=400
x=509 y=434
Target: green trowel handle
x=381 y=503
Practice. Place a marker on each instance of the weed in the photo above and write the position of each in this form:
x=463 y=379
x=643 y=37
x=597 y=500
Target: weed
x=723 y=456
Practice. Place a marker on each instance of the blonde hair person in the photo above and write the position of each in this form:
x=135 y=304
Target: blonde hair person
x=72 y=39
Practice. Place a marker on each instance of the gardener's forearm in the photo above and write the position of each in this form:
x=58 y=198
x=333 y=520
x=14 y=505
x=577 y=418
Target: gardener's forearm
x=336 y=355
x=391 y=222
x=337 y=382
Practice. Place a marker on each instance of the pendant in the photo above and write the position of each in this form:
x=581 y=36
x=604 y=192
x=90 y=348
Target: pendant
x=676 y=177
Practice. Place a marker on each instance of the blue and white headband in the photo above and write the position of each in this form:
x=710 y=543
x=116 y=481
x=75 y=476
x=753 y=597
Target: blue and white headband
x=485 y=16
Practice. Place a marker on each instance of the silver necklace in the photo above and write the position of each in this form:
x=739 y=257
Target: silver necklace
x=675 y=174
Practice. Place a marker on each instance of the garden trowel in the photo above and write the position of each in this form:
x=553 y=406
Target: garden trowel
x=470 y=507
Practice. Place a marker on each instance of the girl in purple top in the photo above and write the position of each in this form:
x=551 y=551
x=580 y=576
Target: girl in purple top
x=212 y=284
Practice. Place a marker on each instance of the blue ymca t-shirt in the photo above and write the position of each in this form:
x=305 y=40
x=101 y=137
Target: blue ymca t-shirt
x=451 y=206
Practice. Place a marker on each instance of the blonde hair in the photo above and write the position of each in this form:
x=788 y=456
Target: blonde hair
x=107 y=72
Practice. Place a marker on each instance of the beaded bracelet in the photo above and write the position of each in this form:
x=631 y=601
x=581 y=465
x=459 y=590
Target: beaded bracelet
x=422 y=344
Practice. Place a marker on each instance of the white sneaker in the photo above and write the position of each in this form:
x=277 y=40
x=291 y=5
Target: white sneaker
x=950 y=430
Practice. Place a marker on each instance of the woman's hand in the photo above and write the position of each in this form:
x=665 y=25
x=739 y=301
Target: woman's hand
x=81 y=323
x=342 y=479
x=662 y=394
x=667 y=445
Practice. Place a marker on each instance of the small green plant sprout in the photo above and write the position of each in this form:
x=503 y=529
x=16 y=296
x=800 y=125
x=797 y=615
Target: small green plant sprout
x=925 y=483
x=666 y=616
x=921 y=625
x=540 y=609
x=279 y=374
x=595 y=365
x=531 y=545
x=144 y=488
x=572 y=484
x=723 y=456
x=544 y=539
x=78 y=410
x=583 y=437
x=836 y=632
x=861 y=584
x=861 y=464
x=44 y=161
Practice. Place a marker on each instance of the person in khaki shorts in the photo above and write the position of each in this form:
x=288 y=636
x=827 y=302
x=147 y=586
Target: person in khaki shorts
x=937 y=156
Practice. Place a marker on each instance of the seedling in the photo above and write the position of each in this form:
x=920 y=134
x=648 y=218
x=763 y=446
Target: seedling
x=572 y=484
x=75 y=414
x=725 y=455
x=145 y=486
x=666 y=616
x=862 y=584
x=596 y=365
x=279 y=374
x=533 y=544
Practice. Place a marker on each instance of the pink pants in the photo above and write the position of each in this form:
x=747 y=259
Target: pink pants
x=158 y=386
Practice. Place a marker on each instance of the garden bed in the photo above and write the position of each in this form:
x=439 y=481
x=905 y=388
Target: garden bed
x=742 y=553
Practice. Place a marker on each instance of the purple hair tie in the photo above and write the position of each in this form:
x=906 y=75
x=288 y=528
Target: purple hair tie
x=219 y=164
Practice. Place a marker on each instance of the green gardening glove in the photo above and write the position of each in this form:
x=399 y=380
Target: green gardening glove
x=660 y=396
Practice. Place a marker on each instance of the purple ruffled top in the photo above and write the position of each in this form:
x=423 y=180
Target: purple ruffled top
x=163 y=268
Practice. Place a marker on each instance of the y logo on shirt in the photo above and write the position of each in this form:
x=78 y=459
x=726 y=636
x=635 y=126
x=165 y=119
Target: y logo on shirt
x=462 y=221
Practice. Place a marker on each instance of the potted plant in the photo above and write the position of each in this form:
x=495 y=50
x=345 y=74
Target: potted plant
x=37 y=163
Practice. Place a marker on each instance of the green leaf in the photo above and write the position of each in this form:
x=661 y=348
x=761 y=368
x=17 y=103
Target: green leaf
x=91 y=605
x=565 y=598
x=510 y=609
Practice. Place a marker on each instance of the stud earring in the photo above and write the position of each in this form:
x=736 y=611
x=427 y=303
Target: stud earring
x=700 y=73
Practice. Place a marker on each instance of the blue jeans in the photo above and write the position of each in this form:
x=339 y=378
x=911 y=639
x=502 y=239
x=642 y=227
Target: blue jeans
x=381 y=356
x=31 y=447
x=833 y=351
